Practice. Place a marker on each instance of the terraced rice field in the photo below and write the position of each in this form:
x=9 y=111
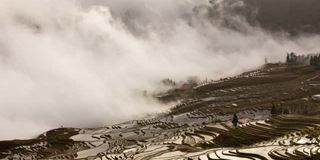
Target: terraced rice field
x=278 y=119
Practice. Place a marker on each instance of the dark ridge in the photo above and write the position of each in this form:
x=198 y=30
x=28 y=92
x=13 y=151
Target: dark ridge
x=292 y=16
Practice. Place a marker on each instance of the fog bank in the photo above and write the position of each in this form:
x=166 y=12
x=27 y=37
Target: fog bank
x=85 y=63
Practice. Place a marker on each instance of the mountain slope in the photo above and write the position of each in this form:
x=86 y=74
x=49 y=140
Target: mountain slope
x=200 y=126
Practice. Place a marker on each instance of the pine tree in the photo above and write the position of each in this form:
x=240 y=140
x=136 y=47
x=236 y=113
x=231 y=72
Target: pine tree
x=235 y=120
x=311 y=61
x=273 y=110
x=285 y=111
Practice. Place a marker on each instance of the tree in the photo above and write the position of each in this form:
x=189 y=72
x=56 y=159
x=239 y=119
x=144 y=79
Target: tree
x=235 y=120
x=193 y=80
x=273 y=110
x=265 y=60
x=286 y=111
x=311 y=60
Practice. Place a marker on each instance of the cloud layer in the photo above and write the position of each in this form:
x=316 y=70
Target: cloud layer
x=85 y=63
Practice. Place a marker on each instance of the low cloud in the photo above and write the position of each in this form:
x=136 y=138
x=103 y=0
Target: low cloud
x=86 y=63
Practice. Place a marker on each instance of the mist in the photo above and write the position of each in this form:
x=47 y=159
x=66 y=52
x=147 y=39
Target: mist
x=85 y=63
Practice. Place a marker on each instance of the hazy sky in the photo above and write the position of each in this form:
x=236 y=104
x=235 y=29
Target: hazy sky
x=85 y=63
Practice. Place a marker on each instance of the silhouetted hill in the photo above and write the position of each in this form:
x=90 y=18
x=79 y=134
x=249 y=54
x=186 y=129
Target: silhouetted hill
x=293 y=16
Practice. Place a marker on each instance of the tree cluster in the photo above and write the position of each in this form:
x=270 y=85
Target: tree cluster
x=292 y=58
x=296 y=107
x=315 y=60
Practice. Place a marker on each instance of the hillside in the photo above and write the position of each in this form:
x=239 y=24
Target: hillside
x=275 y=106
